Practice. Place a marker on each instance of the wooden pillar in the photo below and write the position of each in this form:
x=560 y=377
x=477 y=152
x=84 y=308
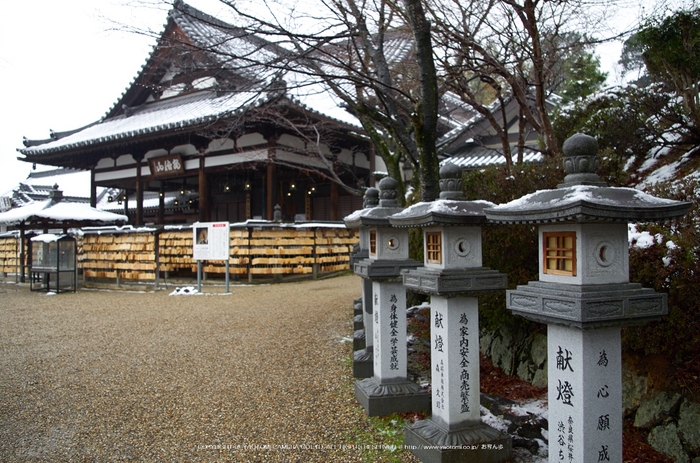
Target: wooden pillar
x=270 y=193
x=334 y=201
x=93 y=188
x=22 y=253
x=139 y=193
x=204 y=213
x=161 y=205
x=307 y=206
x=248 y=211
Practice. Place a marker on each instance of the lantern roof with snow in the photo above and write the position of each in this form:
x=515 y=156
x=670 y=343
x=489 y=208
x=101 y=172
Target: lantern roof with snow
x=584 y=198
x=377 y=216
x=451 y=209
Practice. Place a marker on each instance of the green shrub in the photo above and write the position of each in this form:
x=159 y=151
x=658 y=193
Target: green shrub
x=670 y=265
x=513 y=249
x=510 y=249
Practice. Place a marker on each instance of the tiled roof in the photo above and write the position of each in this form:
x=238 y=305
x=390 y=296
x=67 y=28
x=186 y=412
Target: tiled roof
x=161 y=116
x=75 y=186
x=478 y=157
x=234 y=50
x=59 y=211
x=231 y=48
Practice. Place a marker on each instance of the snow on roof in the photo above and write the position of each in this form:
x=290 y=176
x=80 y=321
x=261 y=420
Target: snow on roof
x=47 y=237
x=61 y=211
x=481 y=157
x=586 y=203
x=321 y=100
x=73 y=183
x=576 y=193
x=442 y=212
x=168 y=114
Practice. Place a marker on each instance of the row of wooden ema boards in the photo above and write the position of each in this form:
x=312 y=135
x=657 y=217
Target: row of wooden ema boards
x=266 y=251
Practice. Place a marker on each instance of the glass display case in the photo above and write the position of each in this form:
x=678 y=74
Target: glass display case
x=53 y=265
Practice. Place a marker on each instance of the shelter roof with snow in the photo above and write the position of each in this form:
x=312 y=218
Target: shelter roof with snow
x=55 y=212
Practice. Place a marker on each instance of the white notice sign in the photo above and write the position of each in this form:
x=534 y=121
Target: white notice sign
x=210 y=241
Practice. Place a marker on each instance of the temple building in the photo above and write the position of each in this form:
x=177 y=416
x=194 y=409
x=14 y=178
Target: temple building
x=201 y=135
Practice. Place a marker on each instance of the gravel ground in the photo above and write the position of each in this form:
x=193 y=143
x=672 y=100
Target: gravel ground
x=126 y=376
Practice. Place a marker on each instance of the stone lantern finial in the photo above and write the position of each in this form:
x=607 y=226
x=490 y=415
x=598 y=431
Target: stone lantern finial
x=387 y=192
x=581 y=161
x=451 y=182
x=371 y=198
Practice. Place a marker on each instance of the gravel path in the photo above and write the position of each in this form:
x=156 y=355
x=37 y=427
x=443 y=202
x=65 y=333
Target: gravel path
x=124 y=376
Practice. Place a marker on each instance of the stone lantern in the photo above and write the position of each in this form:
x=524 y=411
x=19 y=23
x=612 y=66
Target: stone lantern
x=453 y=276
x=585 y=297
x=388 y=390
x=363 y=357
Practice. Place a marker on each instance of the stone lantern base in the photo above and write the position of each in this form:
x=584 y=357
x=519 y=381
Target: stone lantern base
x=587 y=306
x=384 y=399
x=363 y=363
x=476 y=444
x=358 y=340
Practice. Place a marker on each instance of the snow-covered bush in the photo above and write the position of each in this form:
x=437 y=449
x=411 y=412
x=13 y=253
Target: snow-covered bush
x=631 y=122
x=665 y=257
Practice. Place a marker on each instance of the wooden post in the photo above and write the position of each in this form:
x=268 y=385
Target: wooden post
x=93 y=188
x=250 y=262
x=22 y=254
x=156 y=249
x=139 y=193
x=334 y=201
x=307 y=206
x=204 y=212
x=316 y=265
x=248 y=212
x=270 y=193
x=161 y=206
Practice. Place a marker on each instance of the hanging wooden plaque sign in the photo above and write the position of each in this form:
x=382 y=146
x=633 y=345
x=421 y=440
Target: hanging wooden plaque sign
x=166 y=166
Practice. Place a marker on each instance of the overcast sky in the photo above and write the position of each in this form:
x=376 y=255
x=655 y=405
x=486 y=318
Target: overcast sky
x=63 y=65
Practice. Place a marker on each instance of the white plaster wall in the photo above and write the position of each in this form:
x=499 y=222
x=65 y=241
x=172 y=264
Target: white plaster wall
x=105 y=163
x=235 y=158
x=221 y=144
x=360 y=160
x=125 y=173
x=379 y=165
x=184 y=149
x=156 y=153
x=124 y=160
x=292 y=142
x=250 y=139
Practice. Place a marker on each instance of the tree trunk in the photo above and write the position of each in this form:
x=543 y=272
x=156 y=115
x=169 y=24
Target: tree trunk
x=426 y=114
